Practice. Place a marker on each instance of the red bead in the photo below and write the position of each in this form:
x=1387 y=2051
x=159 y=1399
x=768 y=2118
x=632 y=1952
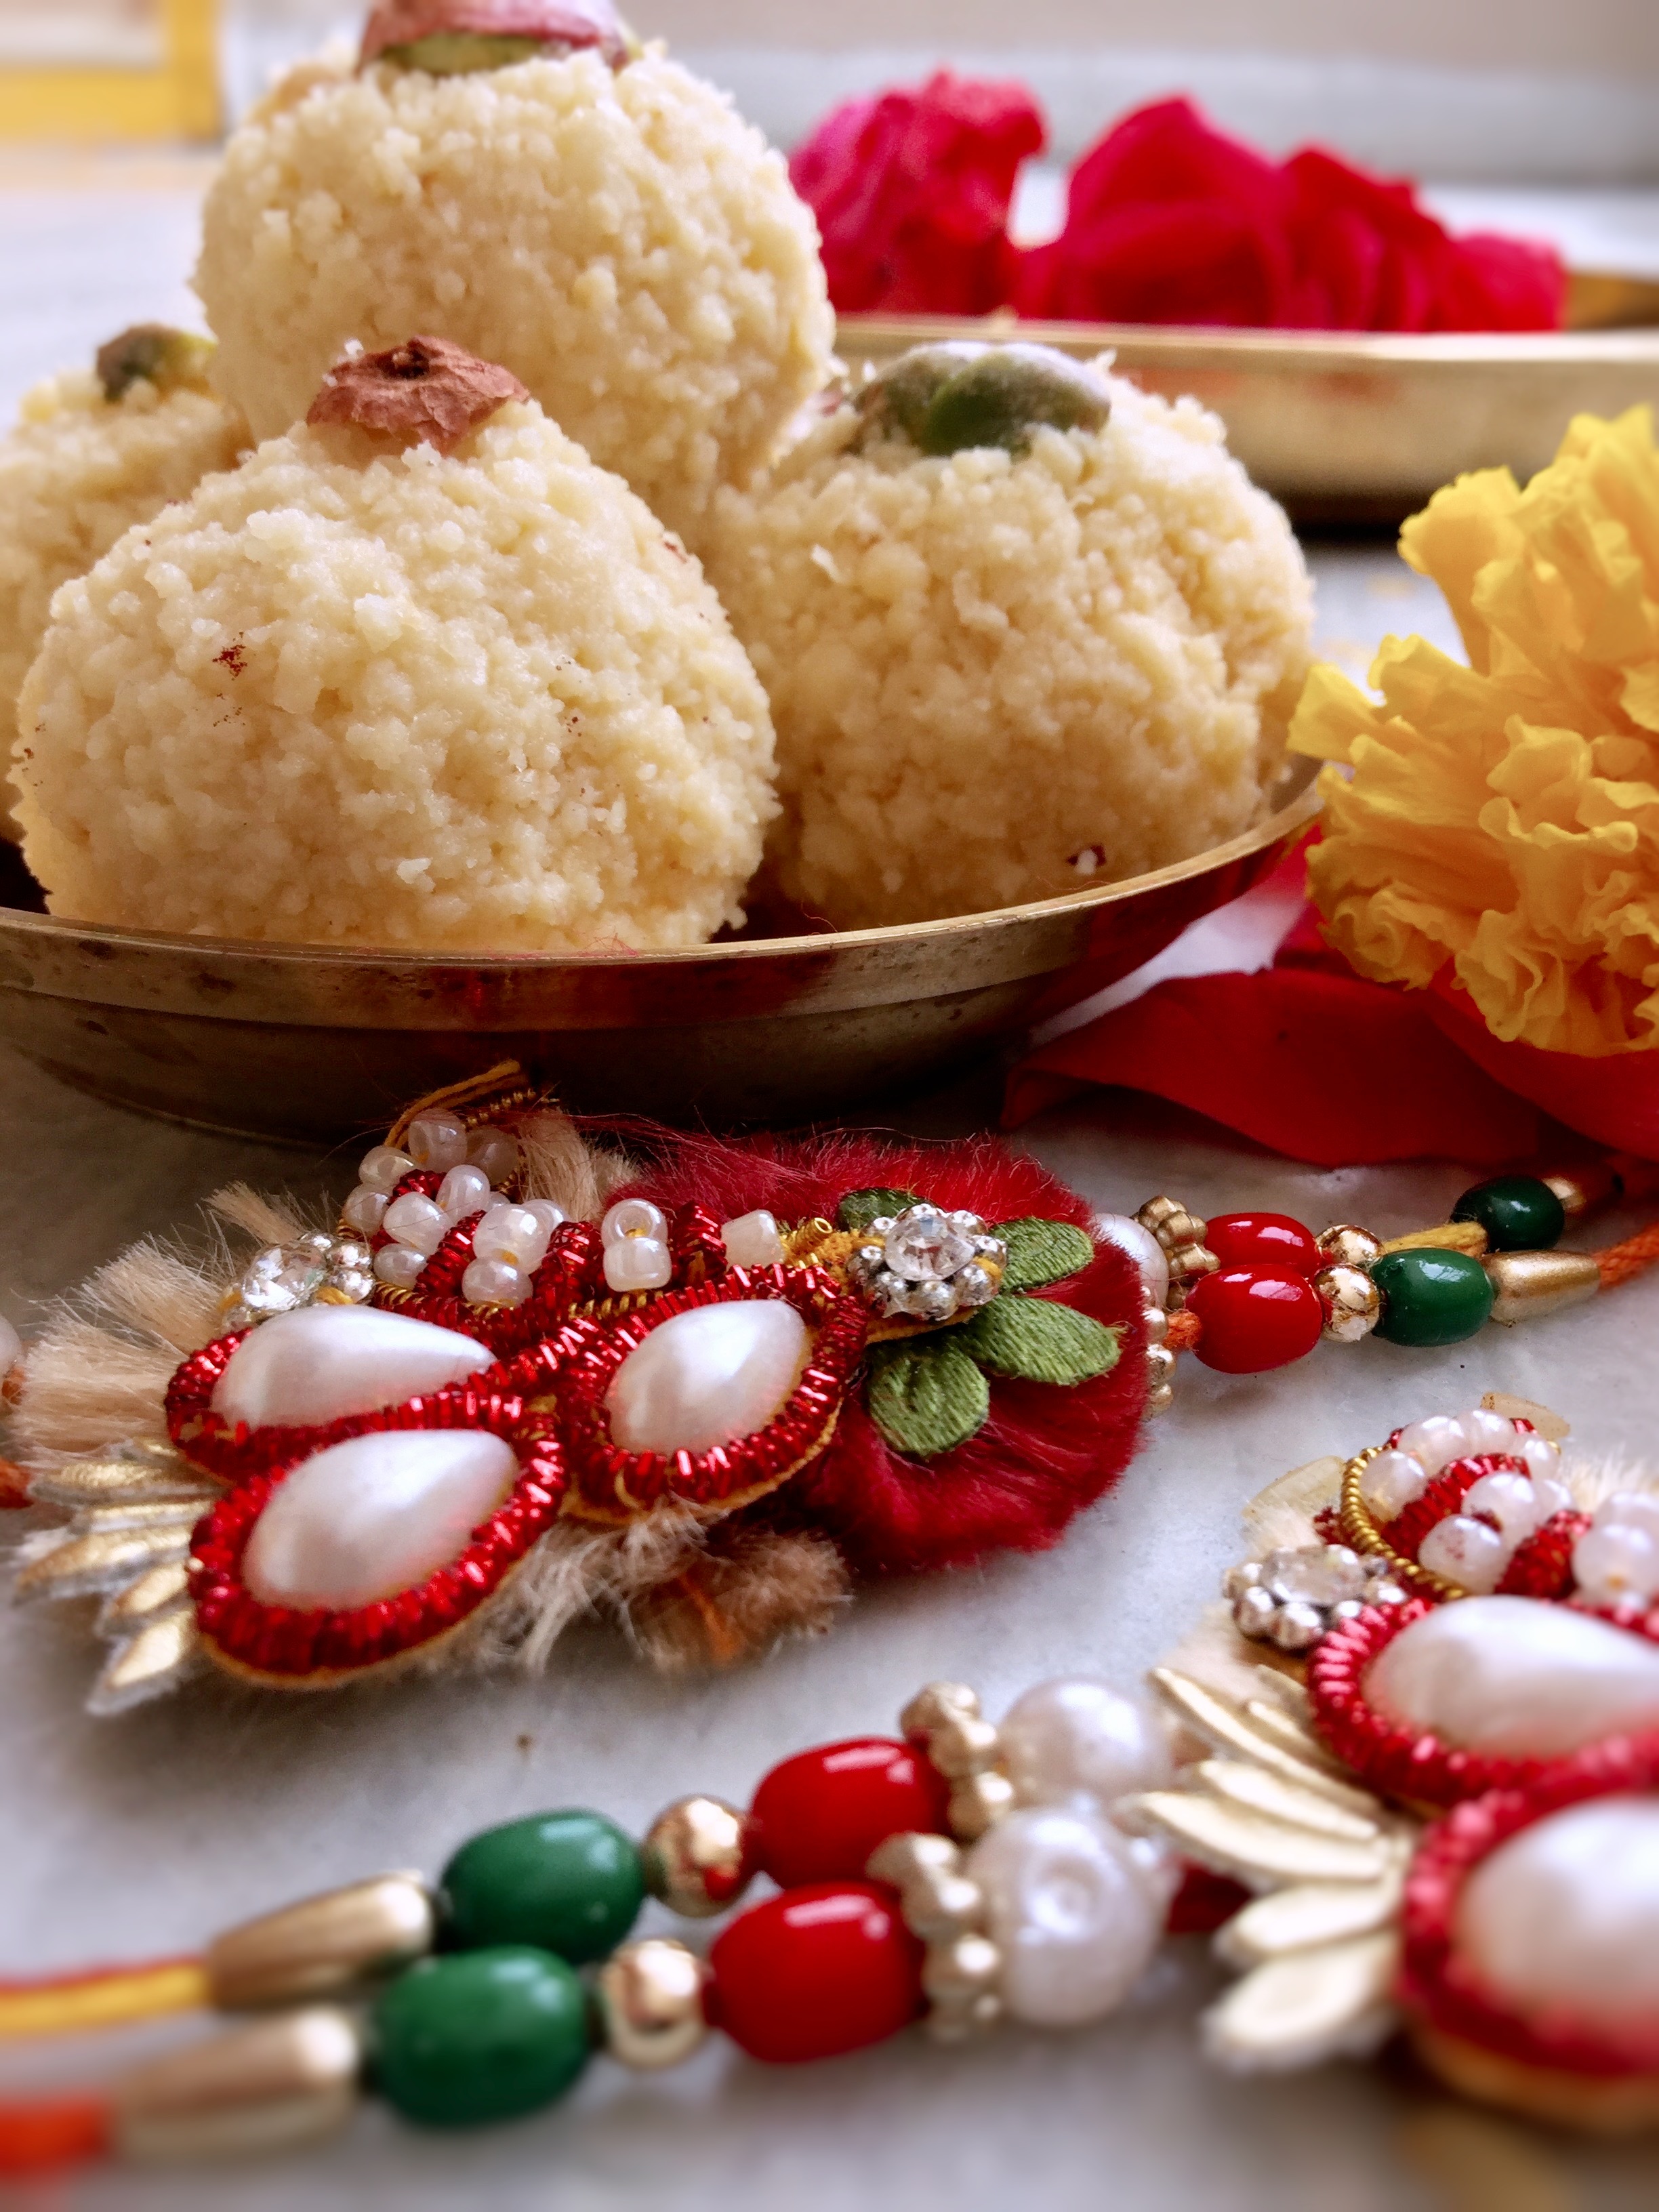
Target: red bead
x=1264 y=1240
x=816 y=1972
x=1255 y=1318
x=819 y=1816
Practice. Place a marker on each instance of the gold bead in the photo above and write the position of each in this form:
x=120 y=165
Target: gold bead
x=1158 y=1324
x=696 y=1855
x=1531 y=1282
x=1160 y=1364
x=952 y=2023
x=911 y=1856
x=1191 y=1260
x=649 y=1995
x=1591 y=1183
x=955 y=1973
x=977 y=1804
x=1160 y=1400
x=1180 y=1230
x=1156 y=1210
x=932 y=1707
x=1352 y=1301
x=324 y=1946
x=940 y=1907
x=268 y=2084
x=1347 y=1245
x=961 y=1746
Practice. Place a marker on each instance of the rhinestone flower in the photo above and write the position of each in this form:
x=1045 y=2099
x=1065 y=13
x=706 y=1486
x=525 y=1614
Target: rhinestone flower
x=1293 y=1598
x=926 y=1265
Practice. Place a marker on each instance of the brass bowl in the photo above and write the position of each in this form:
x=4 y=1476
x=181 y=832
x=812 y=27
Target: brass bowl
x=310 y=1043
x=1344 y=427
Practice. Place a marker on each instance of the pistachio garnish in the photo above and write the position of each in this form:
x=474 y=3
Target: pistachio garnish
x=455 y=38
x=425 y=389
x=948 y=397
x=154 y=353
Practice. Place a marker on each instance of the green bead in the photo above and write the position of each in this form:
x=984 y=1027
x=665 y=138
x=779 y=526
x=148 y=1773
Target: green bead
x=1519 y=1213
x=480 y=2036
x=1431 y=1297
x=569 y=1882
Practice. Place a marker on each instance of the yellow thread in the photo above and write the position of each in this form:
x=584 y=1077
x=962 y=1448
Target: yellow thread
x=104 y=2000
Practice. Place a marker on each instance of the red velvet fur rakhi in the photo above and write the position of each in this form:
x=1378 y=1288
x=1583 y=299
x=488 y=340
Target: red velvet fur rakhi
x=523 y=1377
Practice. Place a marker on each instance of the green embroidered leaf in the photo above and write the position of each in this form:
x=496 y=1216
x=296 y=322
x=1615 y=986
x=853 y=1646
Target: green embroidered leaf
x=1041 y=1252
x=859 y=1207
x=1041 y=1341
x=927 y=1396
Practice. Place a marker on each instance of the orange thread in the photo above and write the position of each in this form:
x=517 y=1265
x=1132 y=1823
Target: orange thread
x=1622 y=1263
x=1184 y=1331
x=52 y=2133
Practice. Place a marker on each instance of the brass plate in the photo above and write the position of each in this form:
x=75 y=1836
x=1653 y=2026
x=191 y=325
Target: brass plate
x=311 y=1043
x=1344 y=427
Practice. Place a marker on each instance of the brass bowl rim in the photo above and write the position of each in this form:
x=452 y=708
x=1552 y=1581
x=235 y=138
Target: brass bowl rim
x=1294 y=812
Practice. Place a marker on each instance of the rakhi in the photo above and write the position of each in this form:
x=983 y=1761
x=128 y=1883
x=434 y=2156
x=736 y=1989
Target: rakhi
x=1444 y=1783
x=519 y=1379
x=962 y=1875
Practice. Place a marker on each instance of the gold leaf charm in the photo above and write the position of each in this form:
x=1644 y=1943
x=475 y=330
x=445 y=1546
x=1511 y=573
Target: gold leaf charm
x=1310 y=2006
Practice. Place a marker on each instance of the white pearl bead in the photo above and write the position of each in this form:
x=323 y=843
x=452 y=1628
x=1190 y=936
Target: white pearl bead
x=1564 y=1917
x=1434 y=1442
x=1075 y=1913
x=551 y=1217
x=493 y=1151
x=751 y=1239
x=634 y=1216
x=1617 y=1565
x=495 y=1283
x=437 y=1141
x=1629 y=1508
x=706 y=1377
x=1078 y=1739
x=1142 y=1247
x=384 y=1169
x=1485 y=1431
x=1511 y=1500
x=1390 y=1482
x=462 y=1191
x=324 y=1362
x=1466 y=1551
x=11 y=1346
x=374 y=1515
x=364 y=1210
x=512 y=1234
x=1543 y=1457
x=398 y=1266
x=637 y=1263
x=415 y=1221
x=1516 y=1678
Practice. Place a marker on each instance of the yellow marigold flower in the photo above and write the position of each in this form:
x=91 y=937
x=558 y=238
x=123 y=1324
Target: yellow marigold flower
x=1501 y=822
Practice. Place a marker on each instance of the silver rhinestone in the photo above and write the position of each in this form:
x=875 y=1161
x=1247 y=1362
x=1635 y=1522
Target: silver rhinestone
x=879 y=1227
x=970 y=1224
x=354 y=1283
x=1255 y=1613
x=1298 y=1626
x=973 y=1286
x=1387 y=1594
x=1239 y=1579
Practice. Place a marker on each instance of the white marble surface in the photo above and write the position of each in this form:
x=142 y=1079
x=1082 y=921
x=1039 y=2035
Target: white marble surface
x=140 y=1835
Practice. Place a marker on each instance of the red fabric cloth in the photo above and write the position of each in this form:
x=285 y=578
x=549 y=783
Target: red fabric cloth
x=1169 y=221
x=911 y=191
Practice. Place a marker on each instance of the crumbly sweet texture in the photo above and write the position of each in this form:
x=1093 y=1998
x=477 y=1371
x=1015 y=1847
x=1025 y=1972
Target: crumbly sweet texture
x=76 y=472
x=361 y=693
x=622 y=241
x=983 y=666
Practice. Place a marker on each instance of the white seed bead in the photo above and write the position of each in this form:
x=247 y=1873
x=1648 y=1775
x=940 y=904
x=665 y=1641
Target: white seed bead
x=513 y=1234
x=364 y=1209
x=1543 y=1457
x=751 y=1239
x=1510 y=1500
x=11 y=1346
x=1629 y=1508
x=1142 y=1247
x=415 y=1221
x=637 y=1263
x=634 y=1216
x=462 y=1191
x=495 y=1283
x=398 y=1266
x=1435 y=1443
x=1075 y=1911
x=1466 y=1551
x=1077 y=1739
x=493 y=1151
x=437 y=1141
x=1617 y=1565
x=384 y=1169
x=551 y=1217
x=1390 y=1482
x=1485 y=1431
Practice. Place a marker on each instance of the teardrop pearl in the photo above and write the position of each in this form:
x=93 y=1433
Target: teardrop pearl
x=374 y=1515
x=324 y=1362
x=1076 y=1909
x=707 y=1376
x=1564 y=1917
x=1515 y=1678
x=1152 y=1261
x=1077 y=1739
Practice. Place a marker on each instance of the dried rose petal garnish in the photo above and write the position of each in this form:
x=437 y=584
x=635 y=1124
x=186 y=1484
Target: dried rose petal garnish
x=575 y=25
x=426 y=388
